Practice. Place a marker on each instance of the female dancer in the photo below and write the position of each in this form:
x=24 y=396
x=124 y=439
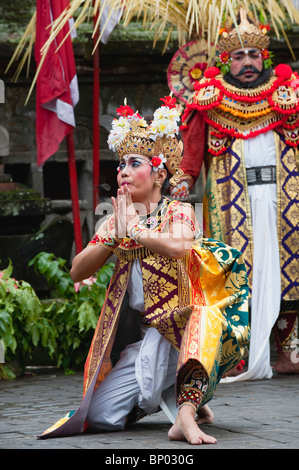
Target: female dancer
x=175 y=316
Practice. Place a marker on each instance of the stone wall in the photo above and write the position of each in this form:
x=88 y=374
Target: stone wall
x=127 y=70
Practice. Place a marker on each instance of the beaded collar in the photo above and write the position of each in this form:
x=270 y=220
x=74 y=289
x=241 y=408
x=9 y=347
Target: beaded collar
x=233 y=112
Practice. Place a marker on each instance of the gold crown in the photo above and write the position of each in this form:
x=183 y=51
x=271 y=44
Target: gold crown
x=251 y=36
x=138 y=140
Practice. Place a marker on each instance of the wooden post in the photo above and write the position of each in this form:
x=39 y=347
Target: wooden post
x=96 y=118
x=74 y=191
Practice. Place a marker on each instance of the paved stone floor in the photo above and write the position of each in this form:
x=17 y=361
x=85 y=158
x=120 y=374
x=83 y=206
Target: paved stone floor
x=247 y=415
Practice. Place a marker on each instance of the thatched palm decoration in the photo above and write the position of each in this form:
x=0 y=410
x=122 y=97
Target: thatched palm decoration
x=190 y=18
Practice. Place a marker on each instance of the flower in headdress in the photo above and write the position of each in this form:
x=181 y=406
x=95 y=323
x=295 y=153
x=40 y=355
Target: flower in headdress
x=224 y=57
x=264 y=28
x=267 y=58
x=157 y=162
x=165 y=122
x=119 y=130
x=223 y=32
x=124 y=111
x=265 y=54
x=122 y=125
x=224 y=62
x=196 y=72
x=136 y=117
x=169 y=101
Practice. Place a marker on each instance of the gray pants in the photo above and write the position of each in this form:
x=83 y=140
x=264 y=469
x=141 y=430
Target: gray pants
x=144 y=370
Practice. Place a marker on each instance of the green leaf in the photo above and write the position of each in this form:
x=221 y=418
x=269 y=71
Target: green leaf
x=262 y=19
x=35 y=335
x=86 y=316
x=63 y=326
x=41 y=262
x=6 y=372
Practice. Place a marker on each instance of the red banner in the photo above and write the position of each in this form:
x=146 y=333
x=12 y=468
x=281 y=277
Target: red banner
x=57 y=87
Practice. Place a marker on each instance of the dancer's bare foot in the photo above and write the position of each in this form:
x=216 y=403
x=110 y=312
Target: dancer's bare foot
x=204 y=415
x=235 y=371
x=285 y=363
x=232 y=373
x=186 y=428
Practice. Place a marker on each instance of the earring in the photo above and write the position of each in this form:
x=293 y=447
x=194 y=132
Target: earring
x=157 y=184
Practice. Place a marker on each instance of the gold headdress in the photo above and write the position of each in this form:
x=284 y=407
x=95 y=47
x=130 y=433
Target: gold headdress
x=245 y=35
x=130 y=133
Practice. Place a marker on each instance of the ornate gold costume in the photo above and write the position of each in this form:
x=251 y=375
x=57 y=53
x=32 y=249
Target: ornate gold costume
x=240 y=113
x=198 y=303
x=247 y=134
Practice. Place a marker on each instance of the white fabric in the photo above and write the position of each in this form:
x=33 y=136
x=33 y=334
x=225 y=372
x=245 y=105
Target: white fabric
x=108 y=21
x=168 y=404
x=155 y=369
x=266 y=289
x=144 y=370
x=135 y=287
x=116 y=396
x=65 y=111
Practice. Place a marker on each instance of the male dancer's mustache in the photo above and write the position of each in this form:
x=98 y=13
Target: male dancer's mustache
x=249 y=68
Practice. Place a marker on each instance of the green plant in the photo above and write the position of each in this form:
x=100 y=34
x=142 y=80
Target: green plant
x=63 y=324
x=74 y=308
x=22 y=323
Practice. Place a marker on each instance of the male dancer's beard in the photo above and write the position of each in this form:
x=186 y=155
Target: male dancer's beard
x=260 y=80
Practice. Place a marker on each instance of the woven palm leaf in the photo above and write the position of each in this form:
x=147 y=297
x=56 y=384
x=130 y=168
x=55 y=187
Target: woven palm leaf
x=186 y=67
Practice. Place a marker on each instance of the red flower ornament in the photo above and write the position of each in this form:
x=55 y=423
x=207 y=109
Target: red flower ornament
x=156 y=161
x=264 y=28
x=169 y=101
x=223 y=32
x=265 y=54
x=125 y=111
x=224 y=57
x=196 y=72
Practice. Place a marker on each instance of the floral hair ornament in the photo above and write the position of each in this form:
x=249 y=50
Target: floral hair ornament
x=267 y=57
x=224 y=62
x=158 y=162
x=122 y=125
x=166 y=119
x=130 y=133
